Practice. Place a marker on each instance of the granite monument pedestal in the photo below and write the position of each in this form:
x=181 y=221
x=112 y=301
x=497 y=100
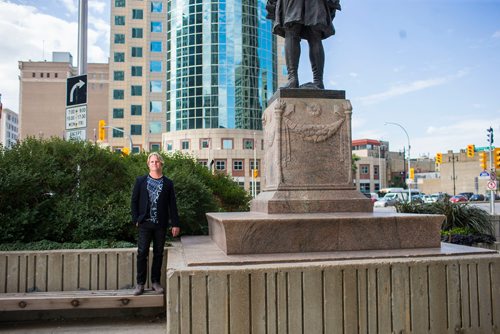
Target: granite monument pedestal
x=309 y=202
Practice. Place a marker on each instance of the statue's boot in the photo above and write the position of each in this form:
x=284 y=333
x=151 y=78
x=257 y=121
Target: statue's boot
x=292 y=56
x=317 y=58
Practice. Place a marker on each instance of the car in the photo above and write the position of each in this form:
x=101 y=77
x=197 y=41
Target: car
x=476 y=198
x=458 y=199
x=468 y=195
x=487 y=197
x=432 y=198
x=389 y=199
x=418 y=199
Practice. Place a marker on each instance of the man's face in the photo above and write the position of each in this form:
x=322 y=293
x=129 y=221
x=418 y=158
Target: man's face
x=154 y=164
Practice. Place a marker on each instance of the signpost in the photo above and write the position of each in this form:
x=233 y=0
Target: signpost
x=76 y=108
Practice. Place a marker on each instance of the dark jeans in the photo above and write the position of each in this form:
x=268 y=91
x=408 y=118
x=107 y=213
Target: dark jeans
x=147 y=232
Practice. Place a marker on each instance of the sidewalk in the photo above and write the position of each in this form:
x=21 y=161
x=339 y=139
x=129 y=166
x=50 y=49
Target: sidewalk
x=146 y=325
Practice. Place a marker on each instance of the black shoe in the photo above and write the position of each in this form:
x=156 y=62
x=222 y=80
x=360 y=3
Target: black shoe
x=139 y=290
x=157 y=287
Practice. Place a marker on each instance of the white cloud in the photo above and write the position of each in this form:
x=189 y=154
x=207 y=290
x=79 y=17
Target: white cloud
x=97 y=6
x=70 y=5
x=407 y=88
x=27 y=34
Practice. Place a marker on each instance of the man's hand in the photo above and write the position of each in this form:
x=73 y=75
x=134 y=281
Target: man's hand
x=176 y=231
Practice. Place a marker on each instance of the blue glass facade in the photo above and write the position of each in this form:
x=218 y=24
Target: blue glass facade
x=221 y=64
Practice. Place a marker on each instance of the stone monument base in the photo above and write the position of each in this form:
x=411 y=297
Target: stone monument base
x=304 y=201
x=254 y=232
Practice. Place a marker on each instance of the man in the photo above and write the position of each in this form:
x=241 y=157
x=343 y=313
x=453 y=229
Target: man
x=307 y=19
x=153 y=205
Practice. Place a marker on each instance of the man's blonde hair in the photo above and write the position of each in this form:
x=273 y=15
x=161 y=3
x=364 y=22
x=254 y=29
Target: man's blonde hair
x=157 y=155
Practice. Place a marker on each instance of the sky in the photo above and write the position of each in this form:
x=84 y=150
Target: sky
x=431 y=66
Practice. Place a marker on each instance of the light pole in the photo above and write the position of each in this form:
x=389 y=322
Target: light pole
x=409 y=147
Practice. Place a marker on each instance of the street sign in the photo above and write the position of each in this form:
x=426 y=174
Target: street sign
x=491 y=185
x=484 y=175
x=76 y=90
x=76 y=117
x=483 y=148
x=493 y=175
x=79 y=134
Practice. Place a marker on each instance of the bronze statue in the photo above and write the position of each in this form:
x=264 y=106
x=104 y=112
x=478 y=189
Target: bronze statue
x=303 y=19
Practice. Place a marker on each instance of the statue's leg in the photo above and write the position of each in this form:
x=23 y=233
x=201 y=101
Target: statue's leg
x=292 y=54
x=317 y=58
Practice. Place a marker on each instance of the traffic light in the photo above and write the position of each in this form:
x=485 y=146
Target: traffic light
x=482 y=160
x=439 y=158
x=490 y=135
x=470 y=151
x=255 y=173
x=102 y=130
x=412 y=173
x=125 y=151
x=496 y=158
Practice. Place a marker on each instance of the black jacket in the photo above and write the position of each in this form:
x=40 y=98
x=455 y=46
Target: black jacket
x=167 y=206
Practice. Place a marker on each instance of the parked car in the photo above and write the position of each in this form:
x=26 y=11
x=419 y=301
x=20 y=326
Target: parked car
x=476 y=198
x=487 y=197
x=468 y=195
x=458 y=199
x=432 y=198
x=418 y=199
x=389 y=199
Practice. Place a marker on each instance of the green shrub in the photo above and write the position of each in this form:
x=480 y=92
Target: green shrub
x=458 y=215
x=72 y=192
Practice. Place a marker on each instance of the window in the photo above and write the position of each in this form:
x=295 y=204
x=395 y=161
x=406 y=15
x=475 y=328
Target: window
x=136 y=32
x=204 y=143
x=156 y=46
x=237 y=164
x=137 y=14
x=155 y=106
x=119 y=39
x=364 y=187
x=155 y=86
x=118 y=94
x=118 y=75
x=155 y=127
x=227 y=144
x=248 y=144
x=169 y=145
x=136 y=90
x=137 y=71
x=257 y=186
x=136 y=129
x=154 y=147
x=156 y=26
x=375 y=170
x=119 y=3
x=136 y=110
x=156 y=7
x=136 y=51
x=119 y=57
x=220 y=164
x=117 y=133
x=256 y=164
x=117 y=112
x=185 y=144
x=155 y=66
x=119 y=20
x=364 y=170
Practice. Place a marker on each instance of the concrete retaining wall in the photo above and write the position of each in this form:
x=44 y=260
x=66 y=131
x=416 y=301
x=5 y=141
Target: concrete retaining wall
x=445 y=294
x=69 y=270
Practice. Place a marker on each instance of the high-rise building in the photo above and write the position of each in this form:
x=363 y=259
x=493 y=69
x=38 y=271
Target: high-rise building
x=182 y=67
x=42 y=96
x=9 y=127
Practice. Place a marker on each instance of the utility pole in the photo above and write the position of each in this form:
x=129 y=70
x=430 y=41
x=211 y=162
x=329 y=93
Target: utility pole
x=82 y=36
x=492 y=169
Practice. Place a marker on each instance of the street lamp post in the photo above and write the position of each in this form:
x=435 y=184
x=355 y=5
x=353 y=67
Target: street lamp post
x=409 y=147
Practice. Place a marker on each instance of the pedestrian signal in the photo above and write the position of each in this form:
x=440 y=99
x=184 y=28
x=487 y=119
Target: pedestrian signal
x=439 y=158
x=482 y=160
x=125 y=151
x=470 y=151
x=412 y=173
x=102 y=129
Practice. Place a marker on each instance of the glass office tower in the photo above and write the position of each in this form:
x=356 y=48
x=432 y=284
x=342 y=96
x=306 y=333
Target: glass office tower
x=221 y=64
